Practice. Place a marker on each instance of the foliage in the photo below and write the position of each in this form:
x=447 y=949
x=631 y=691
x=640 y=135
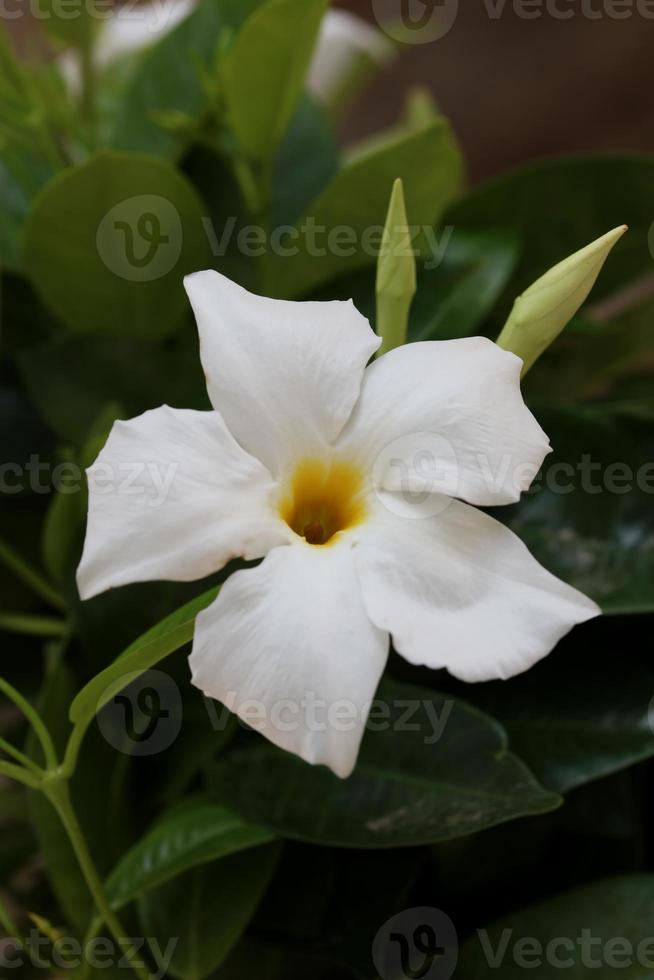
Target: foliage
x=195 y=153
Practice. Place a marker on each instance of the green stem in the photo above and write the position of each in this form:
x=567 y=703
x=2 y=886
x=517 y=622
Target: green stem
x=88 y=83
x=35 y=721
x=33 y=625
x=20 y=757
x=6 y=921
x=30 y=576
x=19 y=774
x=58 y=793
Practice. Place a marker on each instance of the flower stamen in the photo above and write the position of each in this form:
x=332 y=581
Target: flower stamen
x=323 y=499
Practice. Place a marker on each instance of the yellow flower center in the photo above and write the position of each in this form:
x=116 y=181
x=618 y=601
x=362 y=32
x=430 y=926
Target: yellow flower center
x=323 y=499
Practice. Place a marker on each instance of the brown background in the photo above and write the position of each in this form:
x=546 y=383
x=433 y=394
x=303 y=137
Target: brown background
x=516 y=89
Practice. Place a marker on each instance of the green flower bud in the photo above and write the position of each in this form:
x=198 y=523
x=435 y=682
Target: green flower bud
x=396 y=274
x=543 y=310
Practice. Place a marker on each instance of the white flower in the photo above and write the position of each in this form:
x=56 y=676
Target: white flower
x=294 y=466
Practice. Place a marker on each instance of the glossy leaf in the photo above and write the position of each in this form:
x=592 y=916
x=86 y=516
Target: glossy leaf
x=601 y=912
x=412 y=785
x=593 y=724
x=307 y=159
x=132 y=231
x=207 y=909
x=456 y=296
x=189 y=836
x=588 y=516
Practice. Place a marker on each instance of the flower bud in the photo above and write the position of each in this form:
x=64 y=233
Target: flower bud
x=543 y=310
x=396 y=274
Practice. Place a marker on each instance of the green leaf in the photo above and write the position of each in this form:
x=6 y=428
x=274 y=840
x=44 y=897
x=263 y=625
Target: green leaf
x=71 y=379
x=264 y=72
x=163 y=639
x=439 y=769
x=454 y=299
x=557 y=206
x=207 y=909
x=188 y=836
x=168 y=79
x=588 y=516
x=133 y=229
x=618 y=907
x=307 y=159
x=588 y=727
x=429 y=164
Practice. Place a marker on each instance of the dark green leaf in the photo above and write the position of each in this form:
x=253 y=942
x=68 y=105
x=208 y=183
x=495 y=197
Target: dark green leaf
x=454 y=298
x=556 y=207
x=70 y=380
x=413 y=784
x=588 y=517
x=189 y=836
x=582 y=927
x=588 y=726
x=307 y=159
x=207 y=909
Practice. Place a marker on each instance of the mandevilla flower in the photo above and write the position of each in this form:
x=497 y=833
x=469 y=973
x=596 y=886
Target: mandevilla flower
x=354 y=485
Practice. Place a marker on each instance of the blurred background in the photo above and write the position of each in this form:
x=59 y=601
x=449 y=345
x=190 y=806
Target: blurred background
x=517 y=89
x=514 y=88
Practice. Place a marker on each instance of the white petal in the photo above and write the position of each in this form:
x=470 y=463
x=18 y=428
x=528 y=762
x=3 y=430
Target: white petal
x=459 y=590
x=288 y=647
x=447 y=417
x=284 y=375
x=132 y=28
x=349 y=50
x=172 y=496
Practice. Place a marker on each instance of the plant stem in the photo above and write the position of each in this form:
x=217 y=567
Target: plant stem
x=35 y=721
x=30 y=576
x=20 y=757
x=6 y=921
x=88 y=84
x=33 y=625
x=58 y=793
x=19 y=774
